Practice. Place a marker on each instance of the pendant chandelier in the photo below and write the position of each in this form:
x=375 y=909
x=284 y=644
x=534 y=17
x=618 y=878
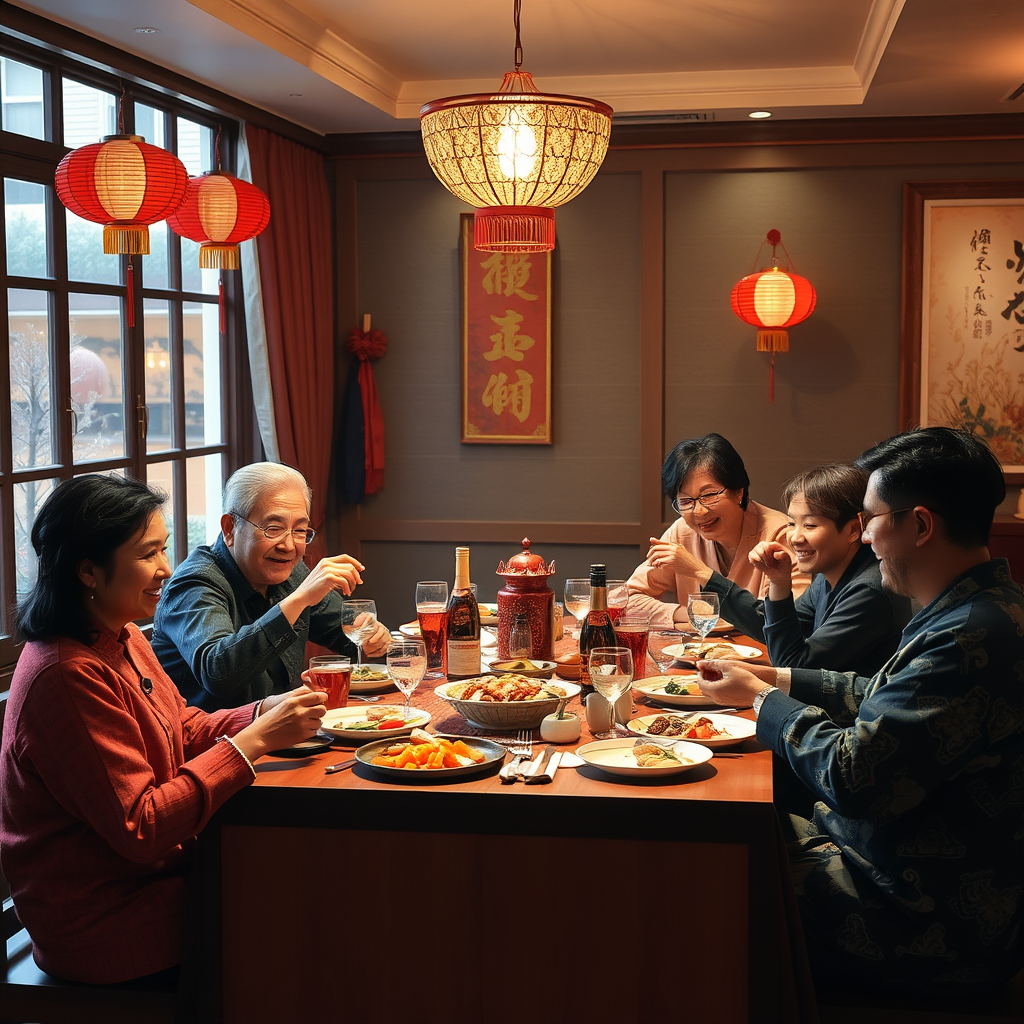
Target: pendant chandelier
x=515 y=154
x=772 y=300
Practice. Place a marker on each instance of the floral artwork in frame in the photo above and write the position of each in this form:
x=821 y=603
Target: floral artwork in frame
x=506 y=345
x=962 y=359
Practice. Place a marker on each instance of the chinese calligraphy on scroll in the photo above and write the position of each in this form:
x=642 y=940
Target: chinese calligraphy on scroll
x=506 y=345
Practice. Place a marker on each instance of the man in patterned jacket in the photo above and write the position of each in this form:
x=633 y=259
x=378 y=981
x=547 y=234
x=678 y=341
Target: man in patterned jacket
x=910 y=871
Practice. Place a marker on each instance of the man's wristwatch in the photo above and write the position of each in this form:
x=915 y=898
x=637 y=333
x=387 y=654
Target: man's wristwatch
x=759 y=699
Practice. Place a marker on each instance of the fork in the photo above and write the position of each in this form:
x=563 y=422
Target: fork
x=521 y=747
x=365 y=700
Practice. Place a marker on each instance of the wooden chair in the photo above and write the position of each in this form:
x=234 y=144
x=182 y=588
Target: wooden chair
x=28 y=994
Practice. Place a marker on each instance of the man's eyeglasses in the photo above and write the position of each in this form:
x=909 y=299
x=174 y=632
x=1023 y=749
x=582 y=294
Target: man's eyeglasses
x=865 y=517
x=275 y=531
x=709 y=500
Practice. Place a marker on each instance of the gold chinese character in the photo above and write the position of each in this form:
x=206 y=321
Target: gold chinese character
x=499 y=394
x=507 y=343
x=507 y=274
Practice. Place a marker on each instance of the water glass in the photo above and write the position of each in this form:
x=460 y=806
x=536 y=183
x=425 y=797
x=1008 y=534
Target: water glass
x=577 y=601
x=611 y=671
x=359 y=621
x=618 y=598
x=660 y=642
x=407 y=663
x=703 y=611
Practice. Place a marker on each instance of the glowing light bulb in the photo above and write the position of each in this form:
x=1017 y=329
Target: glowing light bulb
x=517 y=147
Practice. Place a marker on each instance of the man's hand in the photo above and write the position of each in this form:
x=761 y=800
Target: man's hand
x=342 y=572
x=727 y=682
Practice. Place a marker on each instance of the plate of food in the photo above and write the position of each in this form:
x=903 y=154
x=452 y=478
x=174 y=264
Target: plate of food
x=488 y=638
x=531 y=667
x=709 y=729
x=644 y=759
x=370 y=678
x=371 y=721
x=488 y=614
x=507 y=701
x=697 y=651
x=679 y=690
x=424 y=756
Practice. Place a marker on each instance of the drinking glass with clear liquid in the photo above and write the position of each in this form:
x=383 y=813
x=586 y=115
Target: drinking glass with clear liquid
x=703 y=611
x=664 y=645
x=611 y=672
x=407 y=663
x=577 y=601
x=359 y=621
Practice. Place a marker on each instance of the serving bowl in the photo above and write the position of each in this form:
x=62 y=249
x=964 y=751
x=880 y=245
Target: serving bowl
x=510 y=714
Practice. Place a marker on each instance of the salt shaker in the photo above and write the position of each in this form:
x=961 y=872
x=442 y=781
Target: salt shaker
x=520 y=641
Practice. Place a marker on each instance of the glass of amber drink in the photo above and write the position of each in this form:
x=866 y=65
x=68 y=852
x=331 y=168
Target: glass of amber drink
x=431 y=609
x=331 y=673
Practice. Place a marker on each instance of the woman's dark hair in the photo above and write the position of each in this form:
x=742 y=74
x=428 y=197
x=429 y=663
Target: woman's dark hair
x=711 y=452
x=87 y=518
x=947 y=470
x=834 y=491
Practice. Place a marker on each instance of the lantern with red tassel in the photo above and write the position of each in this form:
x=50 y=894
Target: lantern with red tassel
x=219 y=212
x=125 y=184
x=772 y=300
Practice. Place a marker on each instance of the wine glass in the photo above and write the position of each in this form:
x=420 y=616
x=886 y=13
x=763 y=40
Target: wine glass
x=359 y=621
x=577 y=601
x=618 y=599
x=703 y=611
x=431 y=608
x=407 y=663
x=611 y=672
x=662 y=641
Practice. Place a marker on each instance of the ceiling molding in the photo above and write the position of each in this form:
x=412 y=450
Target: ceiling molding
x=283 y=27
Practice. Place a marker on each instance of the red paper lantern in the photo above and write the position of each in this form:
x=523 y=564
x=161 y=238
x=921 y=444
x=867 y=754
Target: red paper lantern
x=772 y=300
x=125 y=184
x=219 y=212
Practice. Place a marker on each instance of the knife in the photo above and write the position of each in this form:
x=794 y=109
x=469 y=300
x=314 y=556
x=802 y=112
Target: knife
x=340 y=767
x=547 y=773
x=534 y=767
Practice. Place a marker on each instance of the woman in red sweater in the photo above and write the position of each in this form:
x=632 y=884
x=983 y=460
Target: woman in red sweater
x=106 y=776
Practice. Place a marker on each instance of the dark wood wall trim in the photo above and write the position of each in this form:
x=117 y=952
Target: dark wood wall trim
x=492 y=531
x=30 y=28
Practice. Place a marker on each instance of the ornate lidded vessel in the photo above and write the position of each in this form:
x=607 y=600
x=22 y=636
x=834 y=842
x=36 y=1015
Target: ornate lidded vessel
x=526 y=590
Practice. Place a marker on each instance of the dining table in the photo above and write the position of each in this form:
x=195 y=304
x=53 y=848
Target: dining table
x=370 y=897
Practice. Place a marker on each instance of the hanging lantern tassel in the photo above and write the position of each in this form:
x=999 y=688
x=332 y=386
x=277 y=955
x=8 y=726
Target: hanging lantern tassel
x=772 y=300
x=772 y=341
x=130 y=298
x=368 y=345
x=220 y=303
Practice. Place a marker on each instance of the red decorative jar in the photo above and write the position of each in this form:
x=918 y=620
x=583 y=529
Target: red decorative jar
x=526 y=590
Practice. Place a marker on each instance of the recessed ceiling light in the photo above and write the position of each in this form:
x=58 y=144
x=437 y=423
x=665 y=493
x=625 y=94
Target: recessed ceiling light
x=147 y=30
x=297 y=95
x=759 y=114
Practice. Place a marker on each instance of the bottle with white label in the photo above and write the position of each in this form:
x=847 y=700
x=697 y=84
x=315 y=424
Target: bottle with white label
x=463 y=623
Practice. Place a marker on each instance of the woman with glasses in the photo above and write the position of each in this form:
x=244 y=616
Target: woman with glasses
x=106 y=776
x=718 y=526
x=845 y=620
x=235 y=617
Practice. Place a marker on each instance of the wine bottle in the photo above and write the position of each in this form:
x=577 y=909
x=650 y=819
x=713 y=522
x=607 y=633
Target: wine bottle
x=462 y=619
x=597 y=629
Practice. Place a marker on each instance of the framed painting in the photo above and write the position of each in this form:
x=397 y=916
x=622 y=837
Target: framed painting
x=962 y=344
x=506 y=345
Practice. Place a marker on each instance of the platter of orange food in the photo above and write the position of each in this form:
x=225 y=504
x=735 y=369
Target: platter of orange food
x=422 y=755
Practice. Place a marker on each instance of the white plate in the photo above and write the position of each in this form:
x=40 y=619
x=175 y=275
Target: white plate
x=654 y=687
x=737 y=729
x=334 y=723
x=488 y=614
x=488 y=638
x=615 y=757
x=685 y=652
x=493 y=752
x=371 y=685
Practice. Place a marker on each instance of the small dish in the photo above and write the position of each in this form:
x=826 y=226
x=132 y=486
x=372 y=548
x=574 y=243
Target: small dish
x=540 y=669
x=653 y=687
x=316 y=744
x=736 y=729
x=690 y=652
x=488 y=614
x=334 y=723
x=616 y=758
x=371 y=678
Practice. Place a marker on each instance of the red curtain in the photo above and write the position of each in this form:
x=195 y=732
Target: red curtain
x=297 y=280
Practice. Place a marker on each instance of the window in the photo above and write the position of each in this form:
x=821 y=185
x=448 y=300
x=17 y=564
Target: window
x=88 y=392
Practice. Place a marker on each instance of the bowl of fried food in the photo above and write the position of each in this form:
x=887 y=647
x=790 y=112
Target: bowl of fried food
x=508 y=701
x=568 y=665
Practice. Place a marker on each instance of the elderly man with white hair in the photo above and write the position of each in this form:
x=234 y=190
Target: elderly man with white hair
x=233 y=620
